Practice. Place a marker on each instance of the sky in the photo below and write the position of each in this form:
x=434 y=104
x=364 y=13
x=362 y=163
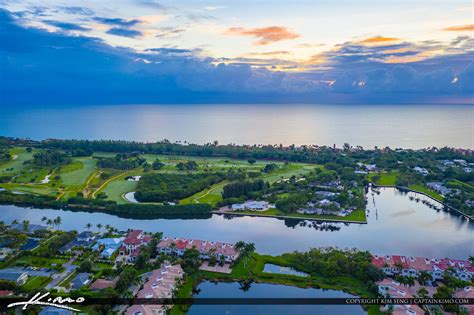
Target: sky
x=147 y=51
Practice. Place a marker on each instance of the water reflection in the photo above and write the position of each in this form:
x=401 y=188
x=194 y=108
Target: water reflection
x=420 y=231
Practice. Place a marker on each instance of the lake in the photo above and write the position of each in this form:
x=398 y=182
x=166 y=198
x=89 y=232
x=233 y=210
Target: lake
x=408 y=126
x=263 y=290
x=396 y=225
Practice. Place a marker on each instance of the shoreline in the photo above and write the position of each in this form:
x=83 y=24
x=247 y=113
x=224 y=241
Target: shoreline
x=468 y=217
x=286 y=217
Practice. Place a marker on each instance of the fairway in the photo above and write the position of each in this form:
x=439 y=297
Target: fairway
x=76 y=173
x=115 y=189
x=289 y=171
x=16 y=164
x=212 y=195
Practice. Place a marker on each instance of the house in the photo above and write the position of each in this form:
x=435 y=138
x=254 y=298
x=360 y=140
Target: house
x=326 y=203
x=408 y=266
x=108 y=246
x=393 y=289
x=161 y=284
x=133 y=178
x=51 y=310
x=130 y=248
x=252 y=206
x=80 y=280
x=439 y=188
x=5 y=293
x=421 y=170
x=460 y=162
x=177 y=246
x=17 y=276
x=101 y=284
x=31 y=228
x=326 y=194
x=83 y=239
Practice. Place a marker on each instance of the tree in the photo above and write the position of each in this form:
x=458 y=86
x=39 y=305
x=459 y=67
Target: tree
x=142 y=260
x=57 y=221
x=157 y=165
x=252 y=161
x=99 y=226
x=422 y=293
x=445 y=292
x=88 y=226
x=190 y=261
x=424 y=277
x=86 y=266
x=26 y=224
x=127 y=277
x=44 y=219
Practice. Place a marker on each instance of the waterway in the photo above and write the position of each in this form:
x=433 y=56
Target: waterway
x=395 y=225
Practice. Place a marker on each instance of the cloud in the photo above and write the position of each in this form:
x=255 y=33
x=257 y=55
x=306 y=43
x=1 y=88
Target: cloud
x=57 y=68
x=169 y=31
x=66 y=26
x=265 y=35
x=124 y=32
x=77 y=10
x=152 y=4
x=116 y=21
x=378 y=40
x=469 y=27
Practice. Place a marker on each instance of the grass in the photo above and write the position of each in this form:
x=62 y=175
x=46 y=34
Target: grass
x=429 y=192
x=357 y=215
x=77 y=173
x=117 y=188
x=386 y=179
x=252 y=269
x=31 y=188
x=288 y=171
x=211 y=195
x=35 y=261
x=16 y=165
x=36 y=283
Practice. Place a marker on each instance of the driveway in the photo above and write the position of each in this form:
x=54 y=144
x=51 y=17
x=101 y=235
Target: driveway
x=57 y=278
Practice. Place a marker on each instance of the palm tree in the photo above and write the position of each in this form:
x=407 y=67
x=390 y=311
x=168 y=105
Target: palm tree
x=26 y=224
x=57 y=221
x=49 y=222
x=424 y=277
x=15 y=221
x=44 y=219
x=88 y=226
x=108 y=228
x=422 y=293
x=99 y=226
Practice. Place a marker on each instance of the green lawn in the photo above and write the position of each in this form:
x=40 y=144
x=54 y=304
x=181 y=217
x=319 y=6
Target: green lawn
x=35 y=261
x=77 y=173
x=31 y=188
x=358 y=215
x=117 y=188
x=36 y=283
x=211 y=195
x=16 y=165
x=429 y=192
x=386 y=179
x=288 y=171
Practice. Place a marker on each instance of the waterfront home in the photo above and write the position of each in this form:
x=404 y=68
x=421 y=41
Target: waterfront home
x=408 y=266
x=161 y=284
x=421 y=170
x=177 y=246
x=83 y=239
x=393 y=289
x=14 y=275
x=102 y=284
x=252 y=206
x=439 y=188
x=130 y=248
x=80 y=280
x=31 y=228
x=326 y=203
x=108 y=246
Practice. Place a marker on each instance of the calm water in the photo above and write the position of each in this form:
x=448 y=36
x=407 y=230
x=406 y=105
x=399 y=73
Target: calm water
x=408 y=126
x=262 y=290
x=396 y=225
x=271 y=268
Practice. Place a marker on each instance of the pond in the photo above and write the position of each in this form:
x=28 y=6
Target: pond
x=263 y=290
x=395 y=225
x=271 y=268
